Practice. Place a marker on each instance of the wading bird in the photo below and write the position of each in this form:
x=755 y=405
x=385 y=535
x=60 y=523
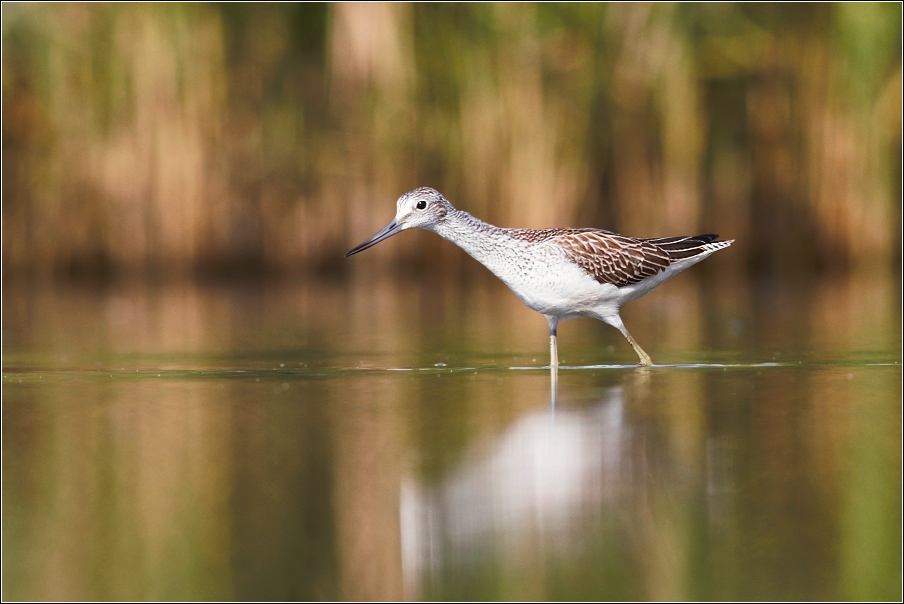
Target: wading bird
x=560 y=273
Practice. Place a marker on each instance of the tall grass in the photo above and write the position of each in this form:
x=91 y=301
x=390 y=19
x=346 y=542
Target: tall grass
x=181 y=138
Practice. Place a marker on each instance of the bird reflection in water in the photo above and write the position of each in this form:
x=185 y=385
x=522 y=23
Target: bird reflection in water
x=560 y=484
x=538 y=479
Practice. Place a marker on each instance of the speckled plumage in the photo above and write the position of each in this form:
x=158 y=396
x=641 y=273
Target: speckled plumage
x=560 y=273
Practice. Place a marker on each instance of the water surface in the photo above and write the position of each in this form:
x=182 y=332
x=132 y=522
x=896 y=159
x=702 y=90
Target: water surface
x=388 y=439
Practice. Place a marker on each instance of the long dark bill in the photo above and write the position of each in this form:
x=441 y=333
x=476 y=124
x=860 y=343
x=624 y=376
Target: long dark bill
x=385 y=233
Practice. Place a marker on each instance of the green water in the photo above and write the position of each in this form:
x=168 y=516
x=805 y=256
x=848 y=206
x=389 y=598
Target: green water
x=388 y=439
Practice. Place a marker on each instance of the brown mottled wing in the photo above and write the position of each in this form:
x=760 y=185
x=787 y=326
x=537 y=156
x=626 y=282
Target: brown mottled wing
x=612 y=258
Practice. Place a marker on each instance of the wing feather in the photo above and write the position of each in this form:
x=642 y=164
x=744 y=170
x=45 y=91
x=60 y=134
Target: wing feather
x=611 y=258
x=619 y=259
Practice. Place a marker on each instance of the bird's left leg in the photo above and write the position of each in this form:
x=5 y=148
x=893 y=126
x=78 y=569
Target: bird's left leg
x=553 y=360
x=553 y=349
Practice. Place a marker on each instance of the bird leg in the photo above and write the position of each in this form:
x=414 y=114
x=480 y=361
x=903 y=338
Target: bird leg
x=553 y=349
x=645 y=359
x=616 y=322
x=553 y=370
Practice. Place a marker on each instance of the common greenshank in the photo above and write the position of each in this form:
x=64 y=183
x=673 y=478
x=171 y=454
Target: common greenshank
x=560 y=273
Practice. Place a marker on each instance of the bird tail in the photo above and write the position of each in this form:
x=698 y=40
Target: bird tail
x=681 y=248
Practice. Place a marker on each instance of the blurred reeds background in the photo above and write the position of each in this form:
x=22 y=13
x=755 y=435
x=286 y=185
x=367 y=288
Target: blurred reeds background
x=203 y=139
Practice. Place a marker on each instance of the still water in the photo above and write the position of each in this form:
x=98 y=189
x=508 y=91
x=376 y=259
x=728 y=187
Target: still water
x=383 y=439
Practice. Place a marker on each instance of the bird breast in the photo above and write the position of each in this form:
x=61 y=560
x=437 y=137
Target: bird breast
x=544 y=278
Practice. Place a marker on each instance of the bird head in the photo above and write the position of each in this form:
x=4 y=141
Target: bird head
x=421 y=208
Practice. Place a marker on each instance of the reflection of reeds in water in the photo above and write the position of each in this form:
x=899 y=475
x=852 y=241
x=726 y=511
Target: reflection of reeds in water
x=127 y=495
x=367 y=486
x=181 y=137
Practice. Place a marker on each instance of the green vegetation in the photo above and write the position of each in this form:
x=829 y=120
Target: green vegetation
x=219 y=138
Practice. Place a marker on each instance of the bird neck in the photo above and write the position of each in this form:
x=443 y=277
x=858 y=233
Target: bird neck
x=482 y=241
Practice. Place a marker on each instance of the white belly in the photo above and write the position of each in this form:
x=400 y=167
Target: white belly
x=551 y=284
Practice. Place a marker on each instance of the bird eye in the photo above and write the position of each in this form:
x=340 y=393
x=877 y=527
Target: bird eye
x=421 y=205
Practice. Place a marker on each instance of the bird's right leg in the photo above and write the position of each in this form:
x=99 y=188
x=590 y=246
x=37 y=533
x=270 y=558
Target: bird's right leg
x=645 y=359
x=616 y=322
